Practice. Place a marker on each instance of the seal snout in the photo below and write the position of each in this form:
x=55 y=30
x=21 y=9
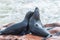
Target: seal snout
x=29 y=14
x=36 y=13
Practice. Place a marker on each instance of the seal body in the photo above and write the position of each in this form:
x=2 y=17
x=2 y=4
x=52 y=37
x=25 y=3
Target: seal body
x=35 y=25
x=18 y=28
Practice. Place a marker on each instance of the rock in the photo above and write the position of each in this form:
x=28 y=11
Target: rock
x=56 y=29
x=52 y=25
x=24 y=37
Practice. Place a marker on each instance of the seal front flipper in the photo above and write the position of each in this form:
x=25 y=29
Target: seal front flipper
x=35 y=25
x=18 y=28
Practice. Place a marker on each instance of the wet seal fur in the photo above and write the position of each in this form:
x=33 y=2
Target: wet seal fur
x=18 y=28
x=36 y=28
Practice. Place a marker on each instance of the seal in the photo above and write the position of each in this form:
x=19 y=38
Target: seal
x=18 y=28
x=36 y=28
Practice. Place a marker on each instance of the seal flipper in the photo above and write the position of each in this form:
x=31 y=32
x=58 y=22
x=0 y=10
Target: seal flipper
x=35 y=25
x=18 y=28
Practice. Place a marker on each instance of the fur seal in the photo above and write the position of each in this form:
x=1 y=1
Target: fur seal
x=35 y=25
x=18 y=28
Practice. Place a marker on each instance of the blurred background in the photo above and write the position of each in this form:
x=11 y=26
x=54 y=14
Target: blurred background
x=15 y=10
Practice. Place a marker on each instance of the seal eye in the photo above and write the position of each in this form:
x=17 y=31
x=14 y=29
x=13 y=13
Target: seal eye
x=36 y=25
